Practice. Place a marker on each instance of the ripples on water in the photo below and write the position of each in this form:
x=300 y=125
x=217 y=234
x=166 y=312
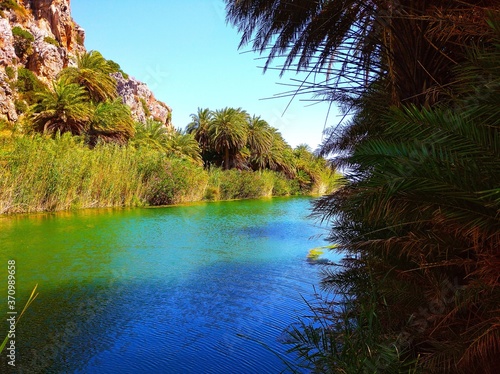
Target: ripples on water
x=195 y=289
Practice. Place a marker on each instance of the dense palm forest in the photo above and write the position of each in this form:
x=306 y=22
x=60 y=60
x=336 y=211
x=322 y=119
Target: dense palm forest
x=77 y=145
x=417 y=218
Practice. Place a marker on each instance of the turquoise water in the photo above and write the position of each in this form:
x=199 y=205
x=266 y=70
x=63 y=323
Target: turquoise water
x=206 y=288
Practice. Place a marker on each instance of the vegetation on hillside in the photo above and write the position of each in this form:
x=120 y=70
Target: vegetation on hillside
x=418 y=216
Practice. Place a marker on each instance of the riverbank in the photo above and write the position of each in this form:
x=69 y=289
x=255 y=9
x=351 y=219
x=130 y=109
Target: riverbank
x=40 y=174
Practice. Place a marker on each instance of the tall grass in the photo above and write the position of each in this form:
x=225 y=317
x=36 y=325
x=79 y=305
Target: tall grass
x=48 y=174
x=41 y=174
x=245 y=184
x=177 y=181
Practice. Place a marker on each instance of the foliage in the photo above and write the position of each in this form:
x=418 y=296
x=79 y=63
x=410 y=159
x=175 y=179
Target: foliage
x=417 y=217
x=230 y=137
x=21 y=106
x=52 y=41
x=242 y=184
x=284 y=186
x=23 y=42
x=8 y=4
x=111 y=121
x=28 y=84
x=92 y=73
x=145 y=107
x=228 y=134
x=12 y=5
x=64 y=108
x=259 y=141
x=173 y=143
x=40 y=173
x=199 y=127
x=46 y=174
x=420 y=207
x=178 y=181
x=183 y=146
x=351 y=43
x=10 y=72
x=152 y=134
x=117 y=69
x=67 y=107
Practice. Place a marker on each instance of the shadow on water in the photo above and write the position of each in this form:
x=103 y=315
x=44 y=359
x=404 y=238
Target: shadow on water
x=161 y=290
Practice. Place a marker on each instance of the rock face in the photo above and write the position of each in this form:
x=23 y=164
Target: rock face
x=141 y=100
x=7 y=52
x=54 y=42
x=47 y=59
x=55 y=15
x=7 y=97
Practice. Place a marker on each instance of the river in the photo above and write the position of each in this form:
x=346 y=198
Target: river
x=204 y=288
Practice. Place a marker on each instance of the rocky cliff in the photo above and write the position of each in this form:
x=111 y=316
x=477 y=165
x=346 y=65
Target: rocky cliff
x=41 y=36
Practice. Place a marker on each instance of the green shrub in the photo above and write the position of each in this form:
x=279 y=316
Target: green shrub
x=117 y=68
x=284 y=186
x=212 y=193
x=23 y=42
x=21 y=106
x=145 y=107
x=4 y=125
x=11 y=5
x=22 y=33
x=52 y=41
x=11 y=73
x=237 y=184
x=28 y=84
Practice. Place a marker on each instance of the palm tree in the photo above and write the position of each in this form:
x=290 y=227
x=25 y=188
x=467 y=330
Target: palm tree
x=228 y=133
x=353 y=42
x=111 y=121
x=93 y=71
x=184 y=146
x=280 y=156
x=259 y=141
x=420 y=208
x=308 y=167
x=63 y=108
x=417 y=218
x=151 y=134
x=199 y=127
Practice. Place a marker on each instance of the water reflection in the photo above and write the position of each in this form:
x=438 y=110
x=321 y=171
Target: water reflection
x=162 y=290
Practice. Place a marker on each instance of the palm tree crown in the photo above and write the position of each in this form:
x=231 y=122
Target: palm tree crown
x=93 y=72
x=63 y=108
x=112 y=121
x=228 y=133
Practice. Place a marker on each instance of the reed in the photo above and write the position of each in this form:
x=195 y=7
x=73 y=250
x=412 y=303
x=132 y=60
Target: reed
x=42 y=174
x=39 y=173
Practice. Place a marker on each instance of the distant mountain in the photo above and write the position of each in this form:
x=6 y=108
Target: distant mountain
x=41 y=37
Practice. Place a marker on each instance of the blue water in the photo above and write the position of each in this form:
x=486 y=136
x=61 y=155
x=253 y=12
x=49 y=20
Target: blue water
x=207 y=288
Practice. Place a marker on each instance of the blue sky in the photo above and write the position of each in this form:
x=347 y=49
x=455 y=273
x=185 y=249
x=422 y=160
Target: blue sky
x=189 y=57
